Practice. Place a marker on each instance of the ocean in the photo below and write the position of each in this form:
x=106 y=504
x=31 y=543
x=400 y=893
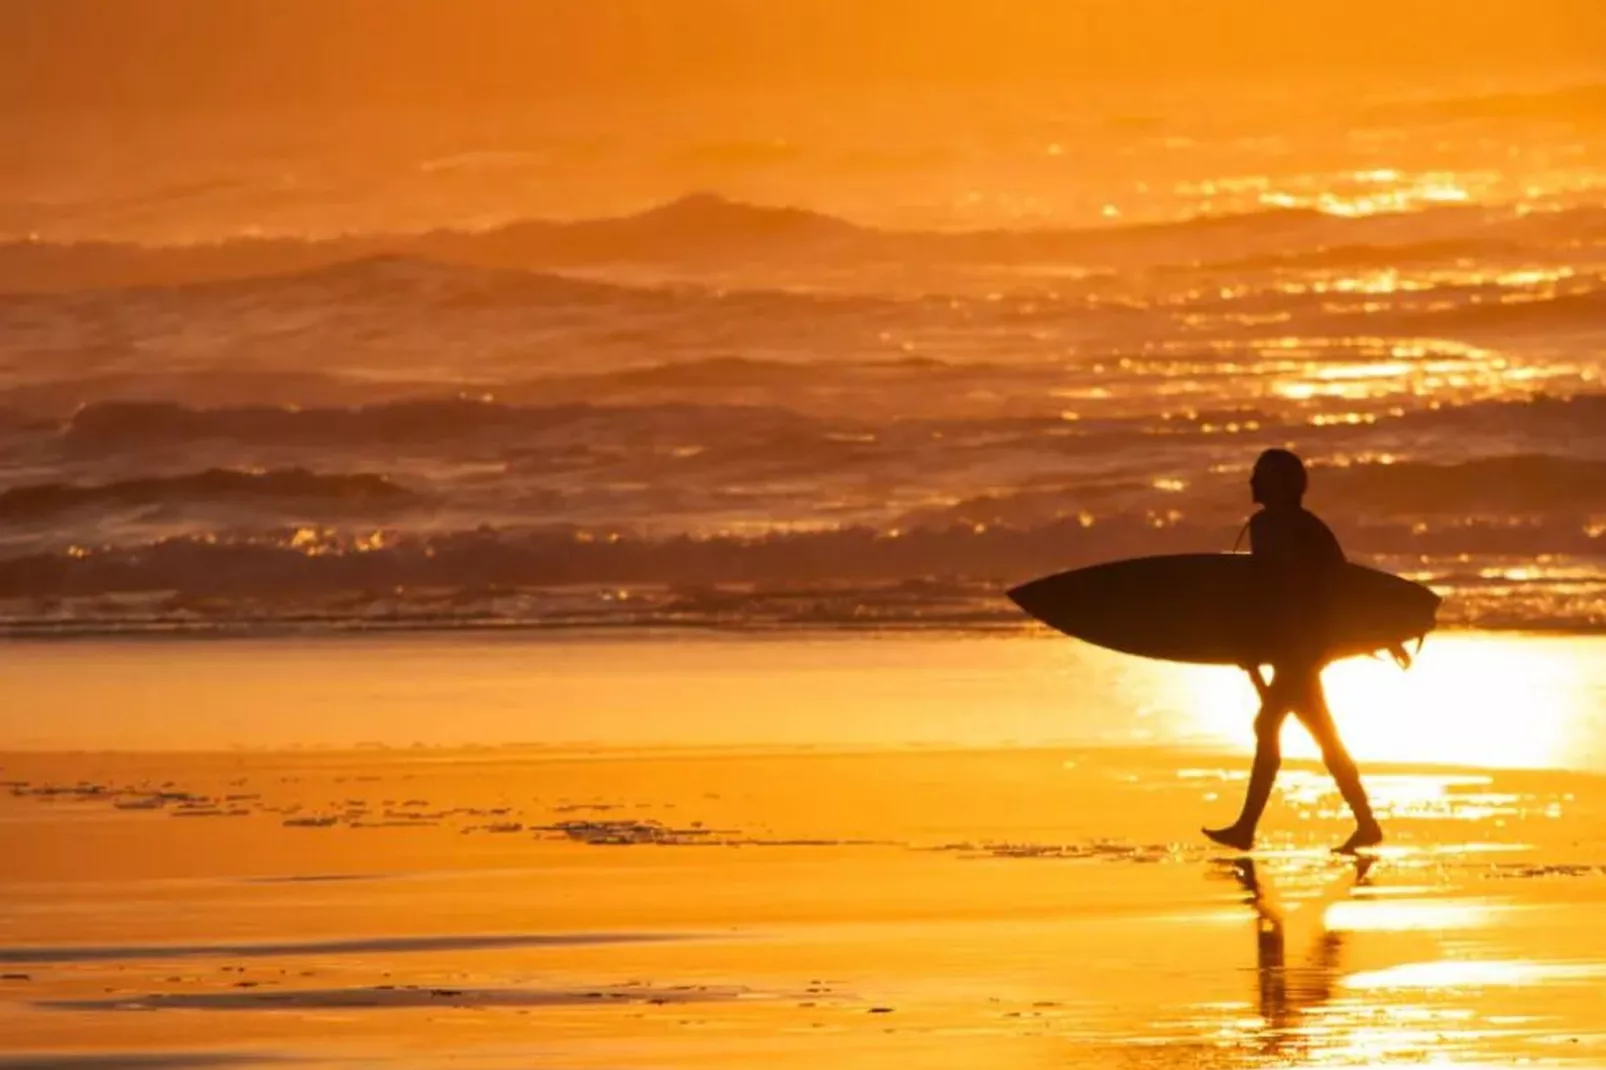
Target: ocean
x=793 y=360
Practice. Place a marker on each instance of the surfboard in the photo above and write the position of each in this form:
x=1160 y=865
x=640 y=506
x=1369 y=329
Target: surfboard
x=1200 y=608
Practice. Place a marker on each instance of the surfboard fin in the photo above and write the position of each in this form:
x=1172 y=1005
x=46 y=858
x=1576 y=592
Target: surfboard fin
x=1403 y=657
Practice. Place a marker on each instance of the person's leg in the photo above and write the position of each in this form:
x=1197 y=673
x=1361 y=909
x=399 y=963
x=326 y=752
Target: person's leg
x=1262 y=774
x=1313 y=713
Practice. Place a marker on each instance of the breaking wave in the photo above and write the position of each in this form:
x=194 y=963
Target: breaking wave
x=287 y=488
x=335 y=559
x=934 y=577
x=706 y=228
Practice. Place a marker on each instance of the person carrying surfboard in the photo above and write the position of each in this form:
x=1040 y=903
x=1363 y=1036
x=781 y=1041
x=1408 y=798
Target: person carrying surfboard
x=1297 y=561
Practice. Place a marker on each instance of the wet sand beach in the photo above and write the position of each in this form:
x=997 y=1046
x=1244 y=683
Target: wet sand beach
x=1029 y=891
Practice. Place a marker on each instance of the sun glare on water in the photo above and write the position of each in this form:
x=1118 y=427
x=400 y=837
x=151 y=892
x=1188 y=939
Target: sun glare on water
x=1468 y=700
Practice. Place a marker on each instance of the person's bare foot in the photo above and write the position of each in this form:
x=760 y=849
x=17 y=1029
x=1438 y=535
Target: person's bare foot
x=1367 y=835
x=1232 y=836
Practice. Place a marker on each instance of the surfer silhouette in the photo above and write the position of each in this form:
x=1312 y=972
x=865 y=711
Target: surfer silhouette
x=1297 y=560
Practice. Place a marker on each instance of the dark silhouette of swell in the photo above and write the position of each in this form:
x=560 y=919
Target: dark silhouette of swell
x=216 y=486
x=127 y=425
x=708 y=229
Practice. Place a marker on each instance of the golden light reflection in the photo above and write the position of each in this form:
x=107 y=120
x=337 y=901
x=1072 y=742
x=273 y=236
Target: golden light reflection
x=1418 y=795
x=1415 y=915
x=1379 y=370
x=1469 y=700
x=1461 y=378
x=1452 y=973
x=1378 y=192
x=1353 y=419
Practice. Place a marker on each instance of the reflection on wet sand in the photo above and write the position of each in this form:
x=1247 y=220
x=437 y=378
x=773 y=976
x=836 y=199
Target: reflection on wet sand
x=1416 y=968
x=1289 y=994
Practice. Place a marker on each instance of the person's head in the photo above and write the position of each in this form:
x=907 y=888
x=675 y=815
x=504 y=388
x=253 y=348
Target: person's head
x=1279 y=478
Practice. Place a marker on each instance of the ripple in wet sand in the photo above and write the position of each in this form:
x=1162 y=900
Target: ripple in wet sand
x=371 y=945
x=387 y=997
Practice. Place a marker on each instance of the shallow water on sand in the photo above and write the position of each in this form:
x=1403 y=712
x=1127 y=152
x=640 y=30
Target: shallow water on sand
x=968 y=903
x=1479 y=699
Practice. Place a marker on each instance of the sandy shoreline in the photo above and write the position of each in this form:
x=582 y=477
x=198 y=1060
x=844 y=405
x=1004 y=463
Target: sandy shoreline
x=957 y=908
x=982 y=903
x=1480 y=699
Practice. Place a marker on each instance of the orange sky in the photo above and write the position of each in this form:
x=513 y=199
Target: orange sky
x=226 y=52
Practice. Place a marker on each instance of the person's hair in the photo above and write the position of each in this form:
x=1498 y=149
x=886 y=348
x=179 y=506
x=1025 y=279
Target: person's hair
x=1284 y=472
